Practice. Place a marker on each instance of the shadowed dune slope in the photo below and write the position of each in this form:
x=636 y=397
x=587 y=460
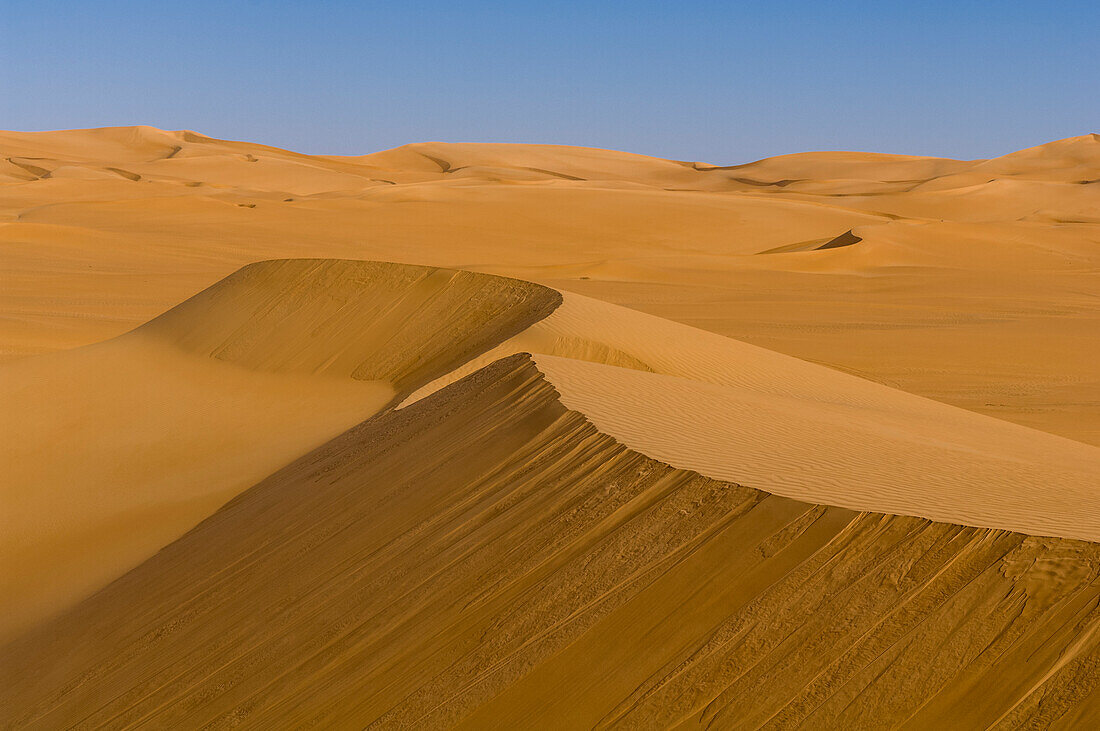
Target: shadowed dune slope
x=113 y=450
x=551 y=572
x=371 y=321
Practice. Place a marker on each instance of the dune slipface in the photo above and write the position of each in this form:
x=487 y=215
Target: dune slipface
x=550 y=572
x=738 y=412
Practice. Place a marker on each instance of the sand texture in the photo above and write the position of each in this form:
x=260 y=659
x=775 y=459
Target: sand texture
x=550 y=572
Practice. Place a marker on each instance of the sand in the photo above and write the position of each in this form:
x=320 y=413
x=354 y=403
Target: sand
x=972 y=284
x=361 y=480
x=487 y=558
x=910 y=458
x=113 y=450
x=737 y=412
x=163 y=425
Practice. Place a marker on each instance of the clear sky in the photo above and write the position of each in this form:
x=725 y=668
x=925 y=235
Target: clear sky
x=724 y=82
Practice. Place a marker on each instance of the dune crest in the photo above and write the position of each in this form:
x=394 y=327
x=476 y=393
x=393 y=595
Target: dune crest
x=737 y=412
x=913 y=457
x=164 y=424
x=371 y=321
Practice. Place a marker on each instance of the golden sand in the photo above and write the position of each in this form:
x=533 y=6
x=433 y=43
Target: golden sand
x=972 y=282
x=360 y=479
x=486 y=558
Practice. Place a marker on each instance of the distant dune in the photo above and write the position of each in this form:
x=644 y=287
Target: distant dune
x=972 y=282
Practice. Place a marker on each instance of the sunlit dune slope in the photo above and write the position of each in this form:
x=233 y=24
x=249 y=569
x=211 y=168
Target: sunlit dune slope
x=112 y=450
x=486 y=556
x=891 y=453
x=785 y=170
x=738 y=412
x=149 y=155
x=534 y=162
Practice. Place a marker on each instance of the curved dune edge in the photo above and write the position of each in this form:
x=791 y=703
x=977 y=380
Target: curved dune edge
x=367 y=320
x=113 y=450
x=384 y=580
x=734 y=411
x=968 y=473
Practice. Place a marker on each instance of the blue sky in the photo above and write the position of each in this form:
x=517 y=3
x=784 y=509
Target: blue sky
x=724 y=82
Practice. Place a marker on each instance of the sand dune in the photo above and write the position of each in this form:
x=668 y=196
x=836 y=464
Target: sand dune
x=905 y=457
x=540 y=161
x=844 y=166
x=102 y=230
x=737 y=412
x=113 y=450
x=329 y=490
x=201 y=393
x=371 y=321
x=168 y=422
x=550 y=572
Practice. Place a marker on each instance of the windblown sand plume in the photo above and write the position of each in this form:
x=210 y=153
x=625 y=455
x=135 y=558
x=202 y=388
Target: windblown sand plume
x=455 y=435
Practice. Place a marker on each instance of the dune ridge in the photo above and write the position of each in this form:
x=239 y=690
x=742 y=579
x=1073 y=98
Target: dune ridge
x=166 y=423
x=113 y=450
x=371 y=321
x=737 y=412
x=541 y=574
x=917 y=460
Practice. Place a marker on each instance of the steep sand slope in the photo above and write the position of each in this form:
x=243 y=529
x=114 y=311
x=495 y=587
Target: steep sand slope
x=973 y=282
x=113 y=450
x=486 y=557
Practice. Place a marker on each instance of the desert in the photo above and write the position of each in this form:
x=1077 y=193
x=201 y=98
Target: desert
x=506 y=435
